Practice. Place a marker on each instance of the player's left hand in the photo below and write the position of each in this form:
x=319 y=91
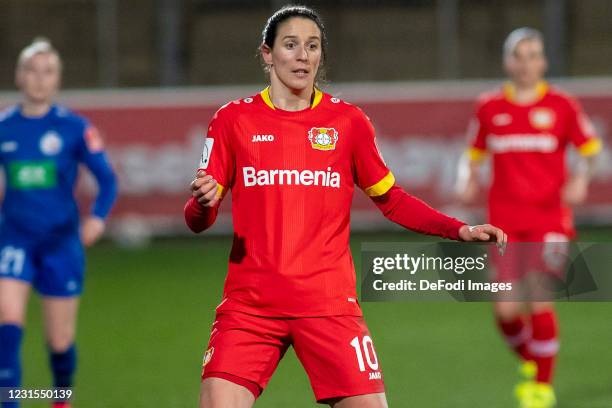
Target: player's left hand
x=575 y=191
x=484 y=233
x=91 y=230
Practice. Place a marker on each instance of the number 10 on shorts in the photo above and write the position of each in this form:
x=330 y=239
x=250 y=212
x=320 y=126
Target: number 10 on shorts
x=366 y=346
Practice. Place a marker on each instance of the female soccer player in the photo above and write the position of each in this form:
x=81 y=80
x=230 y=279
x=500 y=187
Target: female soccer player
x=291 y=156
x=41 y=146
x=526 y=127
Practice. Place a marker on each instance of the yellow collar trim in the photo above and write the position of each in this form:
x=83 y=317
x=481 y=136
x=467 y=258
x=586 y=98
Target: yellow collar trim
x=318 y=97
x=265 y=95
x=510 y=91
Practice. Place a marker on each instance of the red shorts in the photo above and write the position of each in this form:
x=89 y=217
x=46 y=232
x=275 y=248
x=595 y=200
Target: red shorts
x=336 y=351
x=527 y=252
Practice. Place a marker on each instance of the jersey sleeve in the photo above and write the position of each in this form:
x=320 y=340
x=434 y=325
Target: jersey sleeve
x=217 y=154
x=477 y=135
x=370 y=171
x=581 y=131
x=93 y=156
x=414 y=214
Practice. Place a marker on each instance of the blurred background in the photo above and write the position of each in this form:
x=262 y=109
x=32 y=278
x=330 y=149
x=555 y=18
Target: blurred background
x=151 y=73
x=133 y=43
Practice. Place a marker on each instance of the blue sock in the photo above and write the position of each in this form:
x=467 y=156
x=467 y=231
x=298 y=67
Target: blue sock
x=63 y=366
x=10 y=365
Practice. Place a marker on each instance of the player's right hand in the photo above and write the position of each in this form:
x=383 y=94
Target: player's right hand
x=484 y=233
x=92 y=229
x=204 y=188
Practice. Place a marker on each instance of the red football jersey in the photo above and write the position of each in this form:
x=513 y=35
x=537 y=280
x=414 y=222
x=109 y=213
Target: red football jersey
x=528 y=145
x=292 y=176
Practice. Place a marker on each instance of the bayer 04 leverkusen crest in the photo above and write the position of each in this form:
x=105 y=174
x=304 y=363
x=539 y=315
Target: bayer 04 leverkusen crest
x=323 y=138
x=207 y=356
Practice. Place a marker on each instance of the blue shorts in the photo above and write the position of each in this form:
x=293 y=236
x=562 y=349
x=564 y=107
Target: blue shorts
x=54 y=265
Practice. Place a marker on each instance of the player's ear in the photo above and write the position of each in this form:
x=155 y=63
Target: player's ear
x=506 y=64
x=18 y=77
x=266 y=53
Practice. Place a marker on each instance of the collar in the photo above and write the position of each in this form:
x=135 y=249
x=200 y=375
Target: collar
x=265 y=95
x=509 y=91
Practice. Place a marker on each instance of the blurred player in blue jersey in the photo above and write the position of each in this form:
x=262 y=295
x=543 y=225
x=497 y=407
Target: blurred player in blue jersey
x=41 y=238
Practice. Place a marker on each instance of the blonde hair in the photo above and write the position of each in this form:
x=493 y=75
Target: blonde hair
x=518 y=35
x=40 y=45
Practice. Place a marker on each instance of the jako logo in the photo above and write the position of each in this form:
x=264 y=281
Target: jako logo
x=263 y=138
x=326 y=178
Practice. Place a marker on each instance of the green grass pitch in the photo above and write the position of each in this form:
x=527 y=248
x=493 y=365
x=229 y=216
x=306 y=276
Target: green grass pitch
x=146 y=316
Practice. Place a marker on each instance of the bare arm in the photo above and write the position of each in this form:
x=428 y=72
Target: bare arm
x=468 y=175
x=576 y=189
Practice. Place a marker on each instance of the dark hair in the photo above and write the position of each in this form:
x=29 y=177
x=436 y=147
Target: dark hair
x=285 y=13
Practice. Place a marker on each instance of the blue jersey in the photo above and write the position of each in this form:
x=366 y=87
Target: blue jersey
x=40 y=157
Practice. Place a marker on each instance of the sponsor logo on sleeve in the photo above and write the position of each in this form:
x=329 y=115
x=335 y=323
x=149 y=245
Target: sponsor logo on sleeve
x=205 y=158
x=94 y=141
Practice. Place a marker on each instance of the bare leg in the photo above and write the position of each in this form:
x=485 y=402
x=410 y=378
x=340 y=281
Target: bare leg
x=378 y=400
x=220 y=393
x=506 y=311
x=14 y=296
x=60 y=317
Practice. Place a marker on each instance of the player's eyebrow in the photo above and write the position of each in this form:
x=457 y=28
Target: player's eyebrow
x=295 y=37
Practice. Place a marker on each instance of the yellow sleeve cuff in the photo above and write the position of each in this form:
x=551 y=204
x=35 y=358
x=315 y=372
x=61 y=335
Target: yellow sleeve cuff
x=382 y=186
x=590 y=147
x=476 y=154
x=220 y=191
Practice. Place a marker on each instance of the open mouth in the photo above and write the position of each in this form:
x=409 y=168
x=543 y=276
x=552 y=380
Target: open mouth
x=301 y=72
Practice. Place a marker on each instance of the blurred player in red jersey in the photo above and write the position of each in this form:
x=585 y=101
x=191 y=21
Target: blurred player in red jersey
x=526 y=127
x=291 y=155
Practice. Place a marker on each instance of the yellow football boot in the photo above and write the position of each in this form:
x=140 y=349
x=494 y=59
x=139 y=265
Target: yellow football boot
x=536 y=395
x=527 y=372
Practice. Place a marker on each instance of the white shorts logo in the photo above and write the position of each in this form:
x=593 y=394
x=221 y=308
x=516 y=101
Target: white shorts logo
x=207 y=356
x=208 y=145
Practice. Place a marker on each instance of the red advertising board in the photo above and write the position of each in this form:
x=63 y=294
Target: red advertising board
x=155 y=139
